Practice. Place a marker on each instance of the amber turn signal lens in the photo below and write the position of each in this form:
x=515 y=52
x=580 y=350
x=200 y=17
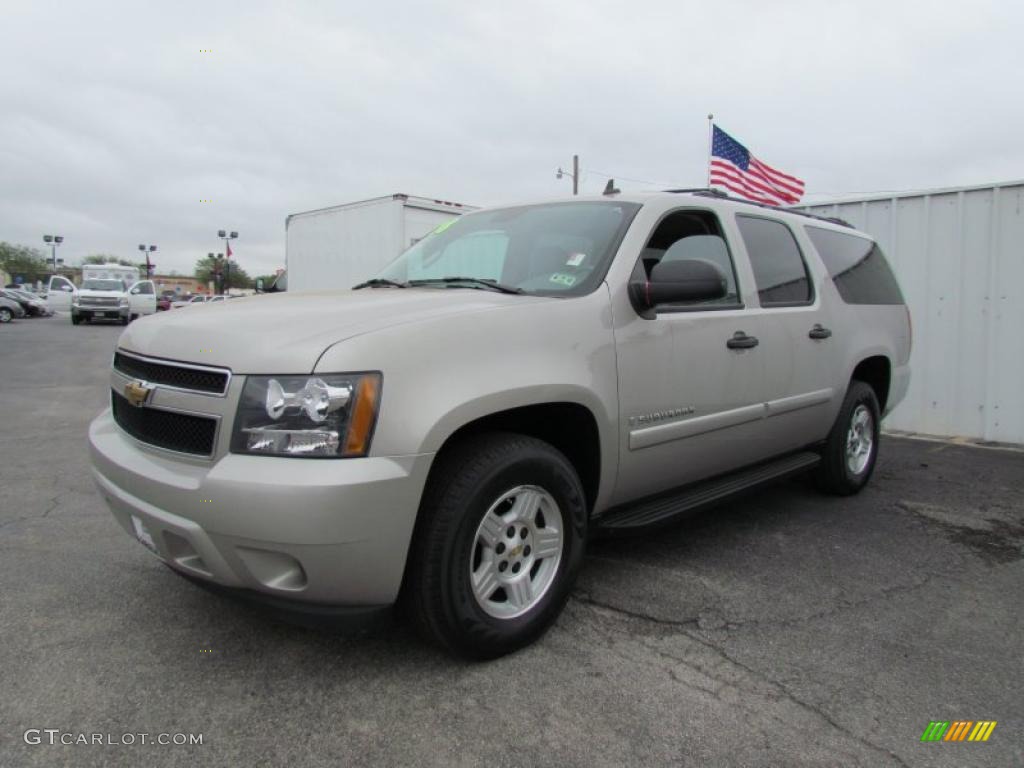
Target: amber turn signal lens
x=364 y=416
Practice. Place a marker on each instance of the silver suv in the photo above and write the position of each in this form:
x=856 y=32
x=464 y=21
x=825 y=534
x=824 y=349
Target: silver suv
x=448 y=434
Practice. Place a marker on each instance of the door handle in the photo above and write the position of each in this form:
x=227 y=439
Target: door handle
x=740 y=340
x=817 y=332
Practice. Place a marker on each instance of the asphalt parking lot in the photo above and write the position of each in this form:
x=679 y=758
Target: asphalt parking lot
x=784 y=629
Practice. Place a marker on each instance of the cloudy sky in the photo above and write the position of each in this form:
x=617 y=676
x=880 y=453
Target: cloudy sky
x=116 y=122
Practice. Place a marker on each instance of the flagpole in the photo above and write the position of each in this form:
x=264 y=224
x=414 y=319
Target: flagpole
x=711 y=133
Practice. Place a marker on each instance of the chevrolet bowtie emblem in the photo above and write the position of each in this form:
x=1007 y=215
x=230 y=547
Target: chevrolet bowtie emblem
x=138 y=392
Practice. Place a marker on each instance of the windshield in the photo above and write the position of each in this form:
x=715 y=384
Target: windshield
x=103 y=285
x=550 y=249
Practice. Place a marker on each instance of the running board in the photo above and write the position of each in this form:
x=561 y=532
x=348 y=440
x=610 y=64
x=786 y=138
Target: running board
x=666 y=508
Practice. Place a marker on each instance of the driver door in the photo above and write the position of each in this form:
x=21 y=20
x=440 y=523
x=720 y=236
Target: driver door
x=59 y=293
x=142 y=298
x=691 y=399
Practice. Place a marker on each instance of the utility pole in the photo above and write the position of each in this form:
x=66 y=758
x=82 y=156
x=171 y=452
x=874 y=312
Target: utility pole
x=575 y=174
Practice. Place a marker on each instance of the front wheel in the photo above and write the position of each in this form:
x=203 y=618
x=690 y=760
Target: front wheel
x=498 y=545
x=849 y=455
x=5 y=315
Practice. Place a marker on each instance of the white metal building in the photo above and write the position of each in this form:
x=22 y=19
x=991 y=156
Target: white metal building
x=959 y=256
x=342 y=245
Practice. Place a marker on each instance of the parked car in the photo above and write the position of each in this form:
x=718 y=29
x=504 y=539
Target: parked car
x=27 y=305
x=33 y=305
x=199 y=298
x=163 y=303
x=449 y=433
x=9 y=308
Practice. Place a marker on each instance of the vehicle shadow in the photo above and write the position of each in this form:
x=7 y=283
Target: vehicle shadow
x=250 y=630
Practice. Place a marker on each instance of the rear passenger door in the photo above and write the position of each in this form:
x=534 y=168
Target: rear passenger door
x=803 y=371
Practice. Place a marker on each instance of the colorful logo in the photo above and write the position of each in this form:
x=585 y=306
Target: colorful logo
x=958 y=730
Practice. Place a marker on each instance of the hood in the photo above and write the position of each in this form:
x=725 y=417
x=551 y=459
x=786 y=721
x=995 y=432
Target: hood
x=288 y=332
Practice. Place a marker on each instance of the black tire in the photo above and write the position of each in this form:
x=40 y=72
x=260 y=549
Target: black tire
x=75 y=320
x=125 y=320
x=437 y=594
x=5 y=315
x=834 y=474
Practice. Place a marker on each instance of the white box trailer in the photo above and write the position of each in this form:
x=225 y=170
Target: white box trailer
x=958 y=255
x=343 y=245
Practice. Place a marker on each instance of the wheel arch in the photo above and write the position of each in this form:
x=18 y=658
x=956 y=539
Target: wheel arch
x=569 y=426
x=876 y=372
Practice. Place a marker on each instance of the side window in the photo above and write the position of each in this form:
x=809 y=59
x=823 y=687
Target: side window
x=857 y=266
x=779 y=270
x=146 y=288
x=693 y=235
x=60 y=284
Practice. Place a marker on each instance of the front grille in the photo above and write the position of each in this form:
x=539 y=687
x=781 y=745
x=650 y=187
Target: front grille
x=96 y=301
x=171 y=375
x=180 y=432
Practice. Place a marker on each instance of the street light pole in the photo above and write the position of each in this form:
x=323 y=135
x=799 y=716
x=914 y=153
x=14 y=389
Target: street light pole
x=146 y=250
x=227 y=237
x=53 y=241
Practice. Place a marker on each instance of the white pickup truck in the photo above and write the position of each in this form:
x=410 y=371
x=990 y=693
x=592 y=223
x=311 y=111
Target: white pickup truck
x=104 y=294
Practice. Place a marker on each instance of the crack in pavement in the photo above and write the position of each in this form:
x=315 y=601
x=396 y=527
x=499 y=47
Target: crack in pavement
x=685 y=627
x=53 y=501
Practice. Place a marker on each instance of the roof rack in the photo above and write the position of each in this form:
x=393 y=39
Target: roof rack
x=719 y=194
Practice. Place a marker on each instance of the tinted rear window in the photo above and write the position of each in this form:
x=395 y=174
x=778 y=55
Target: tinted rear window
x=857 y=267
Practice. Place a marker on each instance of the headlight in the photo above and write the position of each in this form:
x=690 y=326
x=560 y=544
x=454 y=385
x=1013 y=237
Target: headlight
x=321 y=415
x=123 y=301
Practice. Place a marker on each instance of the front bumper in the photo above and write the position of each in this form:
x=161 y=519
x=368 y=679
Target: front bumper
x=99 y=313
x=319 y=531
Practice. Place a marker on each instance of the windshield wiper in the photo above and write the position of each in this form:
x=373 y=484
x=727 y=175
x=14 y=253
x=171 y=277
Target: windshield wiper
x=379 y=282
x=475 y=281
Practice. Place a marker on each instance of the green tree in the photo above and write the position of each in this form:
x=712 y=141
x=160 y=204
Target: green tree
x=207 y=267
x=29 y=263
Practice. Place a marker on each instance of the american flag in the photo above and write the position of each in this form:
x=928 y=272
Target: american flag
x=733 y=167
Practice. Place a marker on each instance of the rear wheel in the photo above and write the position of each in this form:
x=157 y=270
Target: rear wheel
x=5 y=315
x=499 y=542
x=849 y=455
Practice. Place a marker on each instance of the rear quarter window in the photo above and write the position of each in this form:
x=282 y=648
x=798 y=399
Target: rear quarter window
x=857 y=266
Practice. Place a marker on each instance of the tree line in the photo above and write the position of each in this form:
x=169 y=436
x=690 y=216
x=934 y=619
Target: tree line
x=33 y=264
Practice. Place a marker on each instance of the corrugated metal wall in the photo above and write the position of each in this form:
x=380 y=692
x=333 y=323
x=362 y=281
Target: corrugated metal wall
x=959 y=256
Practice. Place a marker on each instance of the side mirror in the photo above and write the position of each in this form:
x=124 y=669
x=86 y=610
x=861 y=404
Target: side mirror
x=67 y=288
x=673 y=281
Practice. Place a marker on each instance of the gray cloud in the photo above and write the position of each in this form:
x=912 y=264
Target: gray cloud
x=115 y=125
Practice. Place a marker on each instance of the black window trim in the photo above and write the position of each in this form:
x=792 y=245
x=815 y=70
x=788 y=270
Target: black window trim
x=667 y=309
x=803 y=260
